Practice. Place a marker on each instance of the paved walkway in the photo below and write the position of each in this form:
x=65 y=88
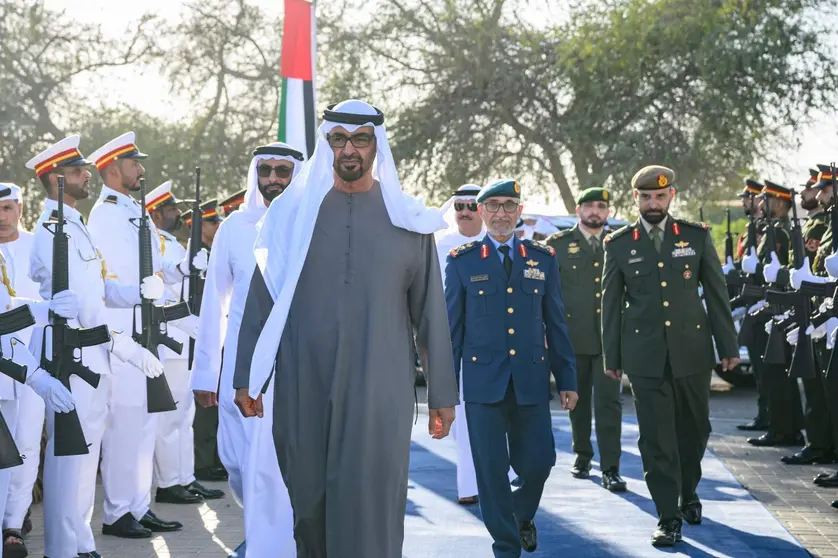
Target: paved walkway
x=577 y=518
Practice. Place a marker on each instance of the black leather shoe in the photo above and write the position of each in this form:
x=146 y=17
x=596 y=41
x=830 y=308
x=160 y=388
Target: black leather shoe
x=154 y=523
x=581 y=468
x=668 y=533
x=91 y=554
x=773 y=440
x=529 y=535
x=516 y=482
x=126 y=527
x=826 y=480
x=611 y=480
x=834 y=504
x=809 y=456
x=211 y=474
x=206 y=493
x=755 y=425
x=691 y=511
x=176 y=495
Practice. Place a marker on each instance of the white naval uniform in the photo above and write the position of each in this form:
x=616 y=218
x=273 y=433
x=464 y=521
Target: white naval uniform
x=174 y=450
x=128 y=444
x=259 y=490
x=31 y=412
x=67 y=513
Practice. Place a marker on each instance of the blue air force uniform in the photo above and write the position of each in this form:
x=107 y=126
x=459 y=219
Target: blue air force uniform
x=508 y=333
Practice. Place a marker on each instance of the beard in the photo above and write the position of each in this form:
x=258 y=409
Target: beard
x=133 y=186
x=77 y=191
x=748 y=210
x=809 y=204
x=593 y=222
x=826 y=204
x=655 y=216
x=350 y=169
x=174 y=225
x=272 y=191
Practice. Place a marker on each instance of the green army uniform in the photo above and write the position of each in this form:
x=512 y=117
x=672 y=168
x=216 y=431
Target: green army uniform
x=785 y=415
x=656 y=329
x=580 y=270
x=813 y=230
x=823 y=252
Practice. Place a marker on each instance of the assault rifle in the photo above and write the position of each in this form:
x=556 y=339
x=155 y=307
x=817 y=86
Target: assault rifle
x=64 y=341
x=196 y=282
x=159 y=395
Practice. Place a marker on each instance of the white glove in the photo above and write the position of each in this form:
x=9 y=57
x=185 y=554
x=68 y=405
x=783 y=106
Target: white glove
x=831 y=263
x=797 y=276
x=831 y=326
x=200 y=261
x=750 y=262
x=129 y=351
x=757 y=307
x=791 y=336
x=769 y=325
x=769 y=272
x=65 y=304
x=188 y=325
x=728 y=266
x=738 y=314
x=830 y=339
x=55 y=395
x=817 y=332
x=152 y=287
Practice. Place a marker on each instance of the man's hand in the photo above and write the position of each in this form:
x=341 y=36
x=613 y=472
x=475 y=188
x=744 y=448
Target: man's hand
x=440 y=421
x=248 y=406
x=206 y=398
x=614 y=374
x=569 y=399
x=729 y=363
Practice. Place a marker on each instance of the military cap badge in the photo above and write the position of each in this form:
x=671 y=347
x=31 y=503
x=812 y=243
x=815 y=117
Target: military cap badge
x=605 y=195
x=663 y=181
x=517 y=188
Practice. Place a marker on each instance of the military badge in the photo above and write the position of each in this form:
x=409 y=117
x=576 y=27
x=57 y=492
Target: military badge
x=635 y=234
x=479 y=278
x=484 y=252
x=663 y=181
x=532 y=263
x=605 y=195
x=687 y=274
x=517 y=188
x=812 y=245
x=534 y=273
x=635 y=260
x=633 y=252
x=682 y=244
x=573 y=248
x=683 y=252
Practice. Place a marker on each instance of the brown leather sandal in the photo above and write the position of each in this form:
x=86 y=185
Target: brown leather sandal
x=467 y=501
x=13 y=545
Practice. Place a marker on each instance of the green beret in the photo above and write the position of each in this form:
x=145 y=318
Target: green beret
x=507 y=188
x=593 y=194
x=653 y=177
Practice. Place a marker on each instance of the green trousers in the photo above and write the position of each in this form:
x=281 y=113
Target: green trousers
x=674 y=419
x=607 y=410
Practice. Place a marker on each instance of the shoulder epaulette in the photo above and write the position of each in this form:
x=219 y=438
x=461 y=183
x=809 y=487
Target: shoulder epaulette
x=560 y=234
x=696 y=224
x=463 y=248
x=540 y=246
x=54 y=215
x=618 y=233
x=110 y=199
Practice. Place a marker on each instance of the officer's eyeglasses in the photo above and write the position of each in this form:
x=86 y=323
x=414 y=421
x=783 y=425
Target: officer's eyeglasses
x=459 y=206
x=338 y=141
x=281 y=171
x=508 y=206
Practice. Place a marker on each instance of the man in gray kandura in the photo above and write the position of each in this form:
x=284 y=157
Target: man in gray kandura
x=347 y=271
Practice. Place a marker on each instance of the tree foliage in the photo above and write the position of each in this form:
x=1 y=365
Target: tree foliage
x=701 y=86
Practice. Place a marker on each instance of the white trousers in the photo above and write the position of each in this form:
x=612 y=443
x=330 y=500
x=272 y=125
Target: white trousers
x=30 y=426
x=128 y=446
x=9 y=408
x=70 y=481
x=174 y=449
x=268 y=515
x=466 y=476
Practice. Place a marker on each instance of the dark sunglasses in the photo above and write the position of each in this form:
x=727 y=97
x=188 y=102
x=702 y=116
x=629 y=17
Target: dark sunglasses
x=459 y=206
x=338 y=141
x=281 y=171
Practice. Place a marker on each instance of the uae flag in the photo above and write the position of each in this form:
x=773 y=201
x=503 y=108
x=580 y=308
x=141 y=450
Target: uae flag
x=297 y=119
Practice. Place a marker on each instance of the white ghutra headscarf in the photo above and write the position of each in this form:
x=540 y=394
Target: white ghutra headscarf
x=285 y=232
x=254 y=203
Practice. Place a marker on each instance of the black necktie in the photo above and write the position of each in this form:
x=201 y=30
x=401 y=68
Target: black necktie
x=507 y=261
